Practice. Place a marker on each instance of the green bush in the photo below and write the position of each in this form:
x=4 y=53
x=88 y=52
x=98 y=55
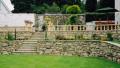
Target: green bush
x=10 y=37
x=79 y=37
x=72 y=20
x=95 y=37
x=109 y=37
x=60 y=37
x=74 y=9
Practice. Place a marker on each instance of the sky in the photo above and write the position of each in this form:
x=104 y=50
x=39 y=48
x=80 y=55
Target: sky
x=9 y=5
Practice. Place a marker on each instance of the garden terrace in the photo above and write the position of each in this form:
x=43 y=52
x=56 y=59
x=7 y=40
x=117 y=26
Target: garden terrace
x=80 y=48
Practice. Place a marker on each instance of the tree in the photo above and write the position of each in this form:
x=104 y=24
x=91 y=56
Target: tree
x=91 y=5
x=22 y=6
x=39 y=6
x=107 y=3
x=53 y=9
x=74 y=9
x=63 y=10
x=38 y=9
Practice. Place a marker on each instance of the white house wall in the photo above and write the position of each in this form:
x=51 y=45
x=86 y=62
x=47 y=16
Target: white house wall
x=117 y=14
x=15 y=19
x=3 y=8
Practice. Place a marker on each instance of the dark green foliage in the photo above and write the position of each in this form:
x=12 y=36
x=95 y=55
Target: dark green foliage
x=53 y=9
x=22 y=6
x=109 y=37
x=44 y=6
x=63 y=10
x=38 y=9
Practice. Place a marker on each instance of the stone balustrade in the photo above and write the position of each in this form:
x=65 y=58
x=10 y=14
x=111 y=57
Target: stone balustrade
x=12 y=29
x=109 y=27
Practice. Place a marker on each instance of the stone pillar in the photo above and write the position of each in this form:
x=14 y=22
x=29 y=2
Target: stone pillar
x=28 y=25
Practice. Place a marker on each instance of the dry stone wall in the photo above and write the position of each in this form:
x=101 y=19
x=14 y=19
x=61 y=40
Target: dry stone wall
x=80 y=48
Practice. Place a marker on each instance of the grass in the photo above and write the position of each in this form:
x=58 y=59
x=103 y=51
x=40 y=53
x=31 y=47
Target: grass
x=37 y=61
x=116 y=41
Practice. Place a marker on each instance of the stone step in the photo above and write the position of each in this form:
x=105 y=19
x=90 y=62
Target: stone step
x=29 y=42
x=24 y=51
x=38 y=34
x=37 y=38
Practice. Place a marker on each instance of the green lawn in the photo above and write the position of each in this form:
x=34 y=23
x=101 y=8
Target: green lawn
x=37 y=61
x=116 y=41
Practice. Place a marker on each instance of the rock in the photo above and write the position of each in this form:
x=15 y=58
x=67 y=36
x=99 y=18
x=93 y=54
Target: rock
x=5 y=53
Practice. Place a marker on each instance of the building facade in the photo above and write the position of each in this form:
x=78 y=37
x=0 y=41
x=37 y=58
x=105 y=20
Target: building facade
x=117 y=14
x=3 y=8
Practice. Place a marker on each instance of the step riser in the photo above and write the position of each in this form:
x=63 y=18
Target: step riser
x=29 y=42
x=28 y=46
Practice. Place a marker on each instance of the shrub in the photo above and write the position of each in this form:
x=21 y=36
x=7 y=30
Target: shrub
x=10 y=37
x=72 y=20
x=79 y=37
x=109 y=37
x=95 y=37
x=74 y=9
x=60 y=37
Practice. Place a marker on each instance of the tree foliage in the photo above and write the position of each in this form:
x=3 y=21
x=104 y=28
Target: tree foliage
x=53 y=9
x=39 y=6
x=21 y=6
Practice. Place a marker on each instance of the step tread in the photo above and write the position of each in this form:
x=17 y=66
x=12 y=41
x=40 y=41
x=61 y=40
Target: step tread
x=24 y=51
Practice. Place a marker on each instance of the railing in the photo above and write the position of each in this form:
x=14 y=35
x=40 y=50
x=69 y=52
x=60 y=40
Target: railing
x=110 y=27
x=12 y=29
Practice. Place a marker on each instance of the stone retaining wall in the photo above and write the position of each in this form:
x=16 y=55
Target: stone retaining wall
x=19 y=35
x=80 y=48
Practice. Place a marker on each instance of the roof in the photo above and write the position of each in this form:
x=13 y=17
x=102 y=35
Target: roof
x=5 y=6
x=107 y=9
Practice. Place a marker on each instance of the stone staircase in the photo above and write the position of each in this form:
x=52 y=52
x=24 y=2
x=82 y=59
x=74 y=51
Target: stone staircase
x=38 y=36
x=29 y=46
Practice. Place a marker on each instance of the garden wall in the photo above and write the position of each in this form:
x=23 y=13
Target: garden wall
x=80 y=48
